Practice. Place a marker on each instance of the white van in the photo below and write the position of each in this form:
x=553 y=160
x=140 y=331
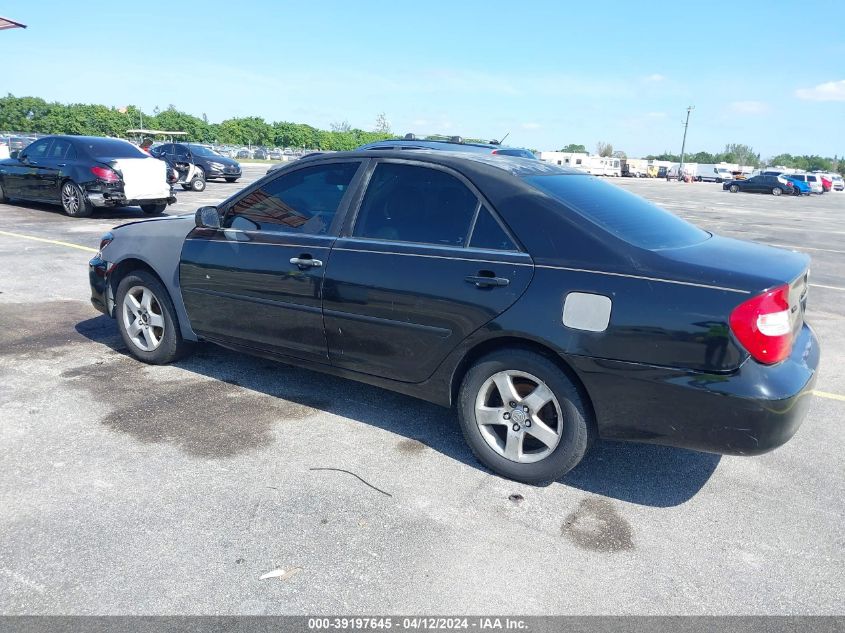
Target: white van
x=712 y=173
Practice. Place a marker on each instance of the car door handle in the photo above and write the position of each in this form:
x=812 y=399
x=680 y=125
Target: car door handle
x=62 y=165
x=483 y=281
x=305 y=262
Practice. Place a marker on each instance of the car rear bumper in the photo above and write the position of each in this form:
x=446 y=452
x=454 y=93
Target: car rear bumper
x=748 y=412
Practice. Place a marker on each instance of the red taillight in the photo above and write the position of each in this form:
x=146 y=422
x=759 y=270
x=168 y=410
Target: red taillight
x=495 y=151
x=762 y=325
x=105 y=174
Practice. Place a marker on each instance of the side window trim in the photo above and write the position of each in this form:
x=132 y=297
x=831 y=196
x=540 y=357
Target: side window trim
x=340 y=215
x=517 y=246
x=356 y=201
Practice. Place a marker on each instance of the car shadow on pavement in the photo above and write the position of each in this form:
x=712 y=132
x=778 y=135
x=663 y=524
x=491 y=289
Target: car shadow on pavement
x=637 y=473
x=100 y=213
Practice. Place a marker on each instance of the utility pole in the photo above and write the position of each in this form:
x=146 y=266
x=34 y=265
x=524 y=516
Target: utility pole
x=684 y=142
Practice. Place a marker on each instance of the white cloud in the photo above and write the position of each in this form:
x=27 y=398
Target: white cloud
x=749 y=107
x=655 y=77
x=828 y=91
x=530 y=126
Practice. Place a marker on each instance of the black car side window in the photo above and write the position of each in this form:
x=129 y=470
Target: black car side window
x=59 y=149
x=407 y=203
x=302 y=201
x=38 y=149
x=488 y=233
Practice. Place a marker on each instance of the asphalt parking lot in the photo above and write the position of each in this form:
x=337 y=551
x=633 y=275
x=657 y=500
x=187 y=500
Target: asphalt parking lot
x=131 y=489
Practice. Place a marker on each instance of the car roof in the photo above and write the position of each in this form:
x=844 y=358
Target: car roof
x=521 y=167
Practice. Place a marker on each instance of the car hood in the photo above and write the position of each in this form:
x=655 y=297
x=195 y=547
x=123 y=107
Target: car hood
x=223 y=160
x=166 y=224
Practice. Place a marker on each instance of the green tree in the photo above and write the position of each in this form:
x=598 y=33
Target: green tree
x=604 y=149
x=572 y=148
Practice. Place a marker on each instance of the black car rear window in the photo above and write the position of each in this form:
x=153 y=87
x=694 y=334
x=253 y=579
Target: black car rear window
x=111 y=148
x=623 y=214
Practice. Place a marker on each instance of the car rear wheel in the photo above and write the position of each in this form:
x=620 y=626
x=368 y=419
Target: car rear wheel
x=231 y=180
x=523 y=417
x=3 y=197
x=147 y=321
x=776 y=191
x=198 y=183
x=74 y=202
x=153 y=209
x=733 y=188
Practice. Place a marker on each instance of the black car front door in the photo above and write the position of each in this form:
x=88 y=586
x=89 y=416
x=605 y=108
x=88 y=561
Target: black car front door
x=258 y=281
x=25 y=179
x=53 y=167
x=425 y=264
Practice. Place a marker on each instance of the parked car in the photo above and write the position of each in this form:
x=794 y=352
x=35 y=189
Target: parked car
x=212 y=164
x=449 y=144
x=838 y=182
x=243 y=153
x=274 y=154
x=814 y=180
x=84 y=172
x=518 y=292
x=259 y=154
x=827 y=183
x=799 y=187
x=775 y=185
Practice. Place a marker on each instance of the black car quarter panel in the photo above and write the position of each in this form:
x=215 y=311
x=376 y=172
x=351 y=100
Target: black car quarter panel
x=397 y=310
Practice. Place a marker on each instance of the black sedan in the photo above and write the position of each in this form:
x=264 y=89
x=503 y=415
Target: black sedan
x=84 y=172
x=774 y=185
x=547 y=306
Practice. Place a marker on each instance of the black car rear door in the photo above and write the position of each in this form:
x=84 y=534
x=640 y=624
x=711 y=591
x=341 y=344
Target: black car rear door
x=257 y=282
x=53 y=167
x=425 y=263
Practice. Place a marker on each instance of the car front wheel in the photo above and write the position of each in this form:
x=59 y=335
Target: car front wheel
x=146 y=319
x=733 y=188
x=153 y=209
x=231 y=180
x=523 y=417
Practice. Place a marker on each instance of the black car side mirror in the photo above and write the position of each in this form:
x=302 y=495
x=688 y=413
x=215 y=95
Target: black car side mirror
x=14 y=153
x=207 y=218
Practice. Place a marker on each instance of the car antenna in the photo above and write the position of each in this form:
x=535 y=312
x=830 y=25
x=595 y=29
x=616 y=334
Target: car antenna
x=503 y=138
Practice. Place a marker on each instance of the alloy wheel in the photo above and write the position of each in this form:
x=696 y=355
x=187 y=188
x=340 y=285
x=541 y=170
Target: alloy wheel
x=70 y=198
x=518 y=416
x=143 y=318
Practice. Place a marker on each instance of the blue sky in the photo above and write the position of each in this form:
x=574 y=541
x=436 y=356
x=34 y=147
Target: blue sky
x=547 y=72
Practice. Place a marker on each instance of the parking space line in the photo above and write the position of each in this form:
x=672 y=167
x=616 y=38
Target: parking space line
x=829 y=396
x=828 y=287
x=46 y=241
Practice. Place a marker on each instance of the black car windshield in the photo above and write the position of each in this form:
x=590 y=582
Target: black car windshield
x=623 y=214
x=199 y=150
x=111 y=148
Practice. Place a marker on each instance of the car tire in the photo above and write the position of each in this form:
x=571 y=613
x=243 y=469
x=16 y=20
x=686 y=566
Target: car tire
x=733 y=188
x=489 y=422
x=74 y=202
x=776 y=191
x=198 y=184
x=147 y=321
x=153 y=209
x=231 y=180
x=3 y=198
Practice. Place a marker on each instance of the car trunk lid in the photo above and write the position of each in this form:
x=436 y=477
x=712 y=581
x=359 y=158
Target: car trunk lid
x=143 y=178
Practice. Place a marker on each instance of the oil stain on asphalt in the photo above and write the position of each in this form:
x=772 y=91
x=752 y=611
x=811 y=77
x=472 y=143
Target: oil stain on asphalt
x=596 y=525
x=207 y=418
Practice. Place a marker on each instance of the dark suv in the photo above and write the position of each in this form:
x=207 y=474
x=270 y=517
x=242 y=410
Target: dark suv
x=449 y=144
x=213 y=164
